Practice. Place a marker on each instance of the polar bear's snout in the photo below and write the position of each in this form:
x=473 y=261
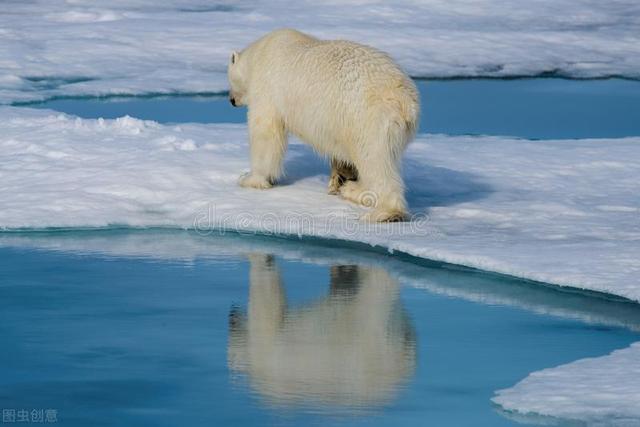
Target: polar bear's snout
x=232 y=100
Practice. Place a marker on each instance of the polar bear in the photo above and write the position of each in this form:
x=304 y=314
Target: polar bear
x=350 y=102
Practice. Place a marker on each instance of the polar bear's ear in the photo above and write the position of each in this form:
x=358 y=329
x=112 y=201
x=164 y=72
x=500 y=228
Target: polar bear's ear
x=234 y=57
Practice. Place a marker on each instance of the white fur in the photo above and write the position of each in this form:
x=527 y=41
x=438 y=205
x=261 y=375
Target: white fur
x=350 y=102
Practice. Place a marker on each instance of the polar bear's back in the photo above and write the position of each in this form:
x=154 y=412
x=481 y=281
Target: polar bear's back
x=323 y=87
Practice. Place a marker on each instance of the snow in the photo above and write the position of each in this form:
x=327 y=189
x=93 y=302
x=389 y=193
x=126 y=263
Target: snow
x=602 y=391
x=52 y=48
x=561 y=212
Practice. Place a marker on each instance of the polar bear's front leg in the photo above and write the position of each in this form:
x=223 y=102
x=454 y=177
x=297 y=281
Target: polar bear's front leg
x=268 y=143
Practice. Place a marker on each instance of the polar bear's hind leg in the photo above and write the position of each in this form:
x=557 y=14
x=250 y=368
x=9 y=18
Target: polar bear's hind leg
x=380 y=184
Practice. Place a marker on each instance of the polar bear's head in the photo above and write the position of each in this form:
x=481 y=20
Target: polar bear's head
x=237 y=80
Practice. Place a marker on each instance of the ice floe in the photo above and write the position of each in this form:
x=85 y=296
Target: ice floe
x=602 y=391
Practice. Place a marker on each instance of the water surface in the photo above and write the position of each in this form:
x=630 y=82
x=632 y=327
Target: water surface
x=165 y=328
x=543 y=108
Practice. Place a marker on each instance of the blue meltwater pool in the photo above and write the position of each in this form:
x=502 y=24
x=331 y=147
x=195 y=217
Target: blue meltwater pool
x=168 y=328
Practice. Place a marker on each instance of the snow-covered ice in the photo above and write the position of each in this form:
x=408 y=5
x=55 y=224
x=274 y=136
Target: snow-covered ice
x=85 y=47
x=603 y=391
x=562 y=212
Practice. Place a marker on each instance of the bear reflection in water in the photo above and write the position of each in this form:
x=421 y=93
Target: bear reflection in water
x=354 y=348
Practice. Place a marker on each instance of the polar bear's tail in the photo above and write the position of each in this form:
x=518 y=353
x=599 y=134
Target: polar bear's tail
x=398 y=111
x=399 y=114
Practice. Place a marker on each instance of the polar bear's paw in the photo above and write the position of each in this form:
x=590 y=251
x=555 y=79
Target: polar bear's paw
x=255 y=181
x=384 y=215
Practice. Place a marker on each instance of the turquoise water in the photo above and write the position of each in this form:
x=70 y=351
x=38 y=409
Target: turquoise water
x=527 y=108
x=166 y=328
